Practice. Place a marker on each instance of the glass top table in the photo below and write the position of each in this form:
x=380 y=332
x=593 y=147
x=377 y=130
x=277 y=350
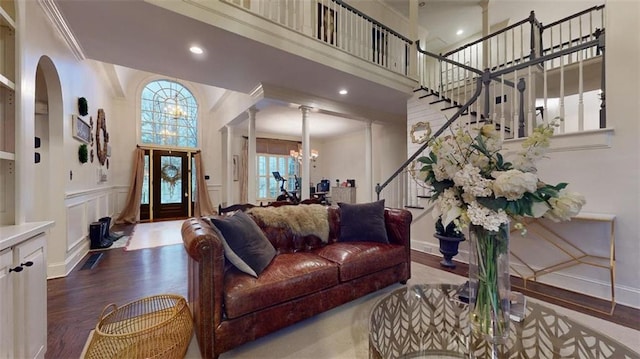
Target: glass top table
x=428 y=321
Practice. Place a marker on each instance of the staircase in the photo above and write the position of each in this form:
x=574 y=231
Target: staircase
x=533 y=73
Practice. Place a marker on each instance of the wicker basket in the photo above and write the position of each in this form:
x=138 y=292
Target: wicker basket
x=153 y=327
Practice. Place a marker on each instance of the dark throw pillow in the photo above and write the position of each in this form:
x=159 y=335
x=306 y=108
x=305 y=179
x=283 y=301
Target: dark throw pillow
x=363 y=222
x=246 y=247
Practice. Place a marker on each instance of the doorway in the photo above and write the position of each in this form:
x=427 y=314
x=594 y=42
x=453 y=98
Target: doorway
x=166 y=191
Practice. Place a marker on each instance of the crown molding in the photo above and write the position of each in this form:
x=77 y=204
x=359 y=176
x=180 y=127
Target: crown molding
x=58 y=21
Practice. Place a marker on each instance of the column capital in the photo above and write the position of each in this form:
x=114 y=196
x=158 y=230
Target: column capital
x=252 y=111
x=305 y=109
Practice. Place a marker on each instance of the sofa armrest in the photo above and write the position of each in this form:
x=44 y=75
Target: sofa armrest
x=398 y=223
x=206 y=279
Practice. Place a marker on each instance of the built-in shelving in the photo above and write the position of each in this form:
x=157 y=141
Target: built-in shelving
x=7 y=111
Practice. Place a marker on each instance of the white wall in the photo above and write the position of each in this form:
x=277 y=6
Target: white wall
x=343 y=157
x=66 y=244
x=608 y=176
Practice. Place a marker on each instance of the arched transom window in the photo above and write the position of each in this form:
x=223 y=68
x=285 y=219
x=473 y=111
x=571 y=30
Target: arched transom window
x=169 y=115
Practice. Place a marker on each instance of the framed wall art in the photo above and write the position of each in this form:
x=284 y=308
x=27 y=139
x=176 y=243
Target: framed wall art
x=81 y=129
x=236 y=163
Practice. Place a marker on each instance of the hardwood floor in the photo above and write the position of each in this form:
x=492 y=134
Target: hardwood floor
x=76 y=301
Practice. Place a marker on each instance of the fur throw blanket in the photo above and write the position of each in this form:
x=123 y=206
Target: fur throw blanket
x=303 y=220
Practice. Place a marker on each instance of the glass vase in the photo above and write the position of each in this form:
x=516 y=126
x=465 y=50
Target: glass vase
x=489 y=282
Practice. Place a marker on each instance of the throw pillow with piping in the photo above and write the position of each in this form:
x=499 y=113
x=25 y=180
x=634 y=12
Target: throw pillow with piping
x=363 y=222
x=245 y=246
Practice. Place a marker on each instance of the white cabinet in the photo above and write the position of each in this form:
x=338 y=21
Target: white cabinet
x=23 y=299
x=6 y=304
x=343 y=194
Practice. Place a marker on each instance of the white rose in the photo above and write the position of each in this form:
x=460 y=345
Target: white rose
x=566 y=205
x=512 y=184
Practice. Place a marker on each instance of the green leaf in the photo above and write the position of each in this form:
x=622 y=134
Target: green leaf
x=561 y=185
x=493 y=203
x=424 y=159
x=440 y=186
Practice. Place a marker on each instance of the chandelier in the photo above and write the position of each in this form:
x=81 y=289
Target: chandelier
x=172 y=107
x=298 y=155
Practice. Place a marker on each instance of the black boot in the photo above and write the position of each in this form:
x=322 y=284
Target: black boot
x=105 y=234
x=112 y=236
x=97 y=238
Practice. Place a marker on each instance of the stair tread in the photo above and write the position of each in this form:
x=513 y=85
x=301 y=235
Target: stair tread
x=414 y=207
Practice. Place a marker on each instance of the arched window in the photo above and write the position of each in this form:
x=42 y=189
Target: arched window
x=169 y=115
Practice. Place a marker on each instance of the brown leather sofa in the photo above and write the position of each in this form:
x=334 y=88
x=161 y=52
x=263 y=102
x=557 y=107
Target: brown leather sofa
x=305 y=278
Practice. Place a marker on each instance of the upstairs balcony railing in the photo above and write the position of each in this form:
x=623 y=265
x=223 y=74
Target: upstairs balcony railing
x=570 y=86
x=337 y=24
x=533 y=73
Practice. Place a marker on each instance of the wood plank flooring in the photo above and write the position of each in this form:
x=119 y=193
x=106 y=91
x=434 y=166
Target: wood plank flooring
x=76 y=301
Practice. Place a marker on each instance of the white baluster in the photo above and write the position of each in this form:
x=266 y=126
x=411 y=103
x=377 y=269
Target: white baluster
x=515 y=122
x=561 y=104
x=531 y=89
x=580 y=85
x=545 y=111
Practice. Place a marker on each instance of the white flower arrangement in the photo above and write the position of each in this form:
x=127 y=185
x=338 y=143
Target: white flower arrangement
x=473 y=184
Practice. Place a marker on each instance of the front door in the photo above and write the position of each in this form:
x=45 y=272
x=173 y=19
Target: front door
x=168 y=188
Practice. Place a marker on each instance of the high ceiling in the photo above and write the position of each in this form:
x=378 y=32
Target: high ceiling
x=139 y=35
x=444 y=18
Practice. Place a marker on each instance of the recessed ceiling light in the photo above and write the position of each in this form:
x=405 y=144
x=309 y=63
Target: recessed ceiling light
x=196 y=50
x=459 y=32
x=343 y=92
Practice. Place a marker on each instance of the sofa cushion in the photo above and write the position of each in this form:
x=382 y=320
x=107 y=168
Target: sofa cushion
x=245 y=245
x=357 y=259
x=363 y=222
x=289 y=276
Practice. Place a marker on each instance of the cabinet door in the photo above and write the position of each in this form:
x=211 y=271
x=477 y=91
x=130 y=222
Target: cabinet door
x=6 y=304
x=30 y=298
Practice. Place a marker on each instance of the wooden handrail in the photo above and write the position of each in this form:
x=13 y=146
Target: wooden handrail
x=597 y=7
x=372 y=20
x=474 y=97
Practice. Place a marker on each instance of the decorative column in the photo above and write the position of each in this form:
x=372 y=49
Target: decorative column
x=229 y=158
x=368 y=163
x=306 y=151
x=251 y=160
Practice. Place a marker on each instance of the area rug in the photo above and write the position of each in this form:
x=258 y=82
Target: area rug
x=156 y=234
x=120 y=243
x=342 y=333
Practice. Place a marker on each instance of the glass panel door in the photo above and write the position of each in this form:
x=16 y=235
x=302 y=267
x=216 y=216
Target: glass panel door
x=170 y=184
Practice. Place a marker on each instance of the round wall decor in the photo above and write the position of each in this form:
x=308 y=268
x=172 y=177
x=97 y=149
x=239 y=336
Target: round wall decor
x=102 y=137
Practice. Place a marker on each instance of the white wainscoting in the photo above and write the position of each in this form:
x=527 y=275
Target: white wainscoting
x=82 y=208
x=215 y=194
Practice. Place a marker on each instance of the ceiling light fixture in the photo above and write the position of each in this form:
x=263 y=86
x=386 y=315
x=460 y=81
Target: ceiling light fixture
x=172 y=107
x=459 y=32
x=343 y=92
x=196 y=50
x=298 y=155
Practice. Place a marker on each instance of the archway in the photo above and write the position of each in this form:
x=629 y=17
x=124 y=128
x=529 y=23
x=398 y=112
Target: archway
x=49 y=176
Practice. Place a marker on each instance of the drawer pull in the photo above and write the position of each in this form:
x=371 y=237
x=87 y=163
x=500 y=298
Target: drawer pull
x=16 y=269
